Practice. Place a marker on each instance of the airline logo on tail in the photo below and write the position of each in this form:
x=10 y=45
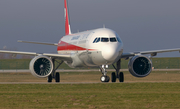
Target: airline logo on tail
x=67 y=25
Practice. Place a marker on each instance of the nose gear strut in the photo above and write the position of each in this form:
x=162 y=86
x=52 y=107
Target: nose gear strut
x=104 y=77
x=114 y=76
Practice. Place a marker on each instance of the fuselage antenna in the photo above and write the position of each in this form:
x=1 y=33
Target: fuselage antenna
x=104 y=26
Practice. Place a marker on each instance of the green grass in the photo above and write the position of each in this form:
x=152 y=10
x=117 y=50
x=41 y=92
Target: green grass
x=158 y=63
x=14 y=63
x=156 y=91
x=77 y=96
x=166 y=63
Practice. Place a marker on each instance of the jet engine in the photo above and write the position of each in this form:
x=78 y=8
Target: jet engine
x=41 y=66
x=140 y=66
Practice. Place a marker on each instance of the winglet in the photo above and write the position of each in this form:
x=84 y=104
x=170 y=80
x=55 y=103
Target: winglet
x=67 y=24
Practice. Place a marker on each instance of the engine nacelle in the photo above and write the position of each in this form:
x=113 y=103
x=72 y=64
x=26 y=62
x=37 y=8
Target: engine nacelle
x=41 y=66
x=140 y=66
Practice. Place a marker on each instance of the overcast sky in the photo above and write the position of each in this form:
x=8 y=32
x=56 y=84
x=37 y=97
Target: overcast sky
x=142 y=24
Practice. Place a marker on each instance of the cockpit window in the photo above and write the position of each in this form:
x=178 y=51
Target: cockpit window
x=98 y=40
x=104 y=39
x=94 y=40
x=118 y=38
x=113 y=39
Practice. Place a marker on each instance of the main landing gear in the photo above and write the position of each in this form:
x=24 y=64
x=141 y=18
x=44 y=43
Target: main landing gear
x=55 y=75
x=114 y=76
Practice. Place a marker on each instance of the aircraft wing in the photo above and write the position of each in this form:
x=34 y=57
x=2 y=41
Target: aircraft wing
x=65 y=57
x=152 y=52
x=19 y=52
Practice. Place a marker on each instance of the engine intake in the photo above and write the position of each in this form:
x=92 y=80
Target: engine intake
x=41 y=66
x=140 y=66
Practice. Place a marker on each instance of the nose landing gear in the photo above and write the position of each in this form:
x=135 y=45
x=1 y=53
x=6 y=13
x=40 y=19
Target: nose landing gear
x=114 y=76
x=104 y=77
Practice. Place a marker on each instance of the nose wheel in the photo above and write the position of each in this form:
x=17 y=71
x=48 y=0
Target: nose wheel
x=104 y=78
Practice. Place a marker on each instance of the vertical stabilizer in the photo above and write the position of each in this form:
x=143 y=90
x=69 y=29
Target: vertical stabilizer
x=67 y=24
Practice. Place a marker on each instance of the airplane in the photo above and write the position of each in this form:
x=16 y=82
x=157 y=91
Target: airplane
x=93 y=48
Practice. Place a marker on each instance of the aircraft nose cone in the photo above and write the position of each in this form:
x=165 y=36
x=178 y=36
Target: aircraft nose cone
x=109 y=53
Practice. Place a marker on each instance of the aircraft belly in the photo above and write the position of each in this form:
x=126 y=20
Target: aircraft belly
x=87 y=59
x=93 y=58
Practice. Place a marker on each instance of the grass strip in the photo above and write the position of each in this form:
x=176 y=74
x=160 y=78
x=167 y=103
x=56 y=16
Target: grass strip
x=83 y=96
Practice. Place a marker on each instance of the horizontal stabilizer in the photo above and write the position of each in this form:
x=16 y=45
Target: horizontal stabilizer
x=42 y=43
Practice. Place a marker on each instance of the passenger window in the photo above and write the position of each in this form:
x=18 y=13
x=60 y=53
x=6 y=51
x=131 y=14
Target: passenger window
x=113 y=39
x=94 y=40
x=104 y=39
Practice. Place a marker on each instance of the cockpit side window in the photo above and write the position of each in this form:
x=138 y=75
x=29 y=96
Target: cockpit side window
x=118 y=38
x=98 y=40
x=104 y=39
x=113 y=39
x=94 y=40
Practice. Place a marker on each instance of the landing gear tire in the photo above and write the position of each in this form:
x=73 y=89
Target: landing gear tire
x=57 y=78
x=121 y=77
x=49 y=79
x=104 y=78
x=107 y=78
x=113 y=77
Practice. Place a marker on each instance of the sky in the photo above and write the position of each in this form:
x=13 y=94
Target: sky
x=142 y=24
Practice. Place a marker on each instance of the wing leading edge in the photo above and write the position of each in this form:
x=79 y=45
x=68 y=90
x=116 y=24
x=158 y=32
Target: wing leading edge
x=152 y=52
x=65 y=57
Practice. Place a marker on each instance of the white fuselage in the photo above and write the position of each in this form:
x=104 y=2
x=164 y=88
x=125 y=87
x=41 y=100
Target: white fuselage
x=91 y=48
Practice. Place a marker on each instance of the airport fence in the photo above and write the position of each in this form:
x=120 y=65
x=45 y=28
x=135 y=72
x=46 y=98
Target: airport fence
x=158 y=63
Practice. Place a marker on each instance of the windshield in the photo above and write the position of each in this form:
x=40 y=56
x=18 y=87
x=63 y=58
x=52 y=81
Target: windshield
x=104 y=39
x=113 y=39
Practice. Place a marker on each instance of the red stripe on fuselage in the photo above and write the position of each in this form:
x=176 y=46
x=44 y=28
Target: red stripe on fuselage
x=66 y=46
